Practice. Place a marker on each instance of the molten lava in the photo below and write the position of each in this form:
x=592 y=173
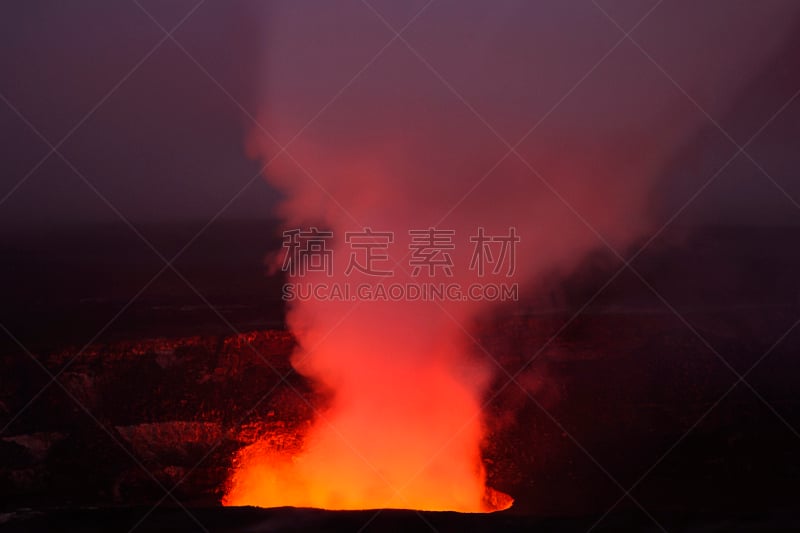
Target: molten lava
x=409 y=441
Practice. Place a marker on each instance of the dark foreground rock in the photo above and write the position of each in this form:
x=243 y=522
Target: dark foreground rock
x=248 y=519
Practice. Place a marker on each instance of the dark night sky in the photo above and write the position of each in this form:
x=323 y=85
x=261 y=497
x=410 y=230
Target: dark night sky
x=169 y=144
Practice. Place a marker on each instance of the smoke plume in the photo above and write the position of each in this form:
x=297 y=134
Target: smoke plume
x=420 y=138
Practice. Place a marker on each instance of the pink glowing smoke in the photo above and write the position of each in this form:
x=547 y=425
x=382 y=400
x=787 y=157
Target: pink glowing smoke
x=420 y=138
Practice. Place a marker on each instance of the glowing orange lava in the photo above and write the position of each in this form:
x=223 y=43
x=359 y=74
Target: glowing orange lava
x=410 y=441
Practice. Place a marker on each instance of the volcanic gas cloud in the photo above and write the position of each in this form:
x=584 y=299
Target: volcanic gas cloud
x=418 y=140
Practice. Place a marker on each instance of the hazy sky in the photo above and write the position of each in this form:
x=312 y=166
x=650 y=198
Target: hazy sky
x=167 y=144
x=170 y=144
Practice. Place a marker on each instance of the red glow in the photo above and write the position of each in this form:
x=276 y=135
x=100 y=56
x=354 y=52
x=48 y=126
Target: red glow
x=398 y=435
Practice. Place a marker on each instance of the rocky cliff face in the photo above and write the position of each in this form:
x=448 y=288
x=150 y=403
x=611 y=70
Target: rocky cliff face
x=177 y=408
